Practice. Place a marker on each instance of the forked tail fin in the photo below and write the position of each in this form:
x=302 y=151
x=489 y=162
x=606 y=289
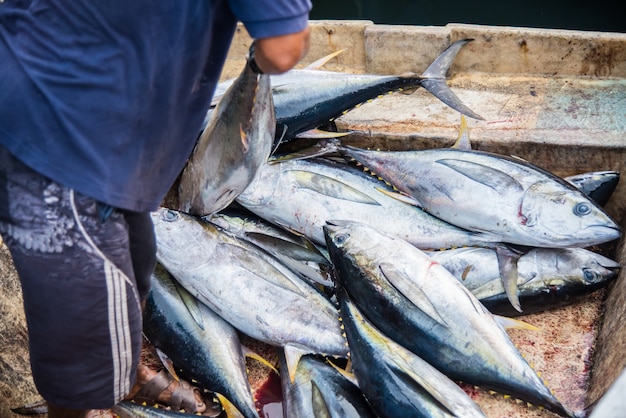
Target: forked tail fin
x=434 y=79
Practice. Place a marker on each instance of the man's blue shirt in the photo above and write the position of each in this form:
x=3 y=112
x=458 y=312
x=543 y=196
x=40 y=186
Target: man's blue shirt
x=108 y=96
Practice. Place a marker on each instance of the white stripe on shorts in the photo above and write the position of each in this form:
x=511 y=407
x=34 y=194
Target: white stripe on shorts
x=119 y=329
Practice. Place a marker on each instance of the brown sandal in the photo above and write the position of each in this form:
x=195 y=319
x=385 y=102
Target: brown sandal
x=183 y=396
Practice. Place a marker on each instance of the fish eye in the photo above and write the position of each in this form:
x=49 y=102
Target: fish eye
x=590 y=276
x=170 y=215
x=341 y=239
x=582 y=208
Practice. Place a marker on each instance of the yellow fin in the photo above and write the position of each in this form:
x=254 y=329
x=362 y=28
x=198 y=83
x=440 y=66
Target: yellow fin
x=510 y=323
x=463 y=139
x=317 y=64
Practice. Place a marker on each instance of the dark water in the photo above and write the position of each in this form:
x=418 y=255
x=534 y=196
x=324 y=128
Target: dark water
x=601 y=15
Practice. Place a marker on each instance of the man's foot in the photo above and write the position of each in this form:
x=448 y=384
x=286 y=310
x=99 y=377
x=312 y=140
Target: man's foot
x=154 y=387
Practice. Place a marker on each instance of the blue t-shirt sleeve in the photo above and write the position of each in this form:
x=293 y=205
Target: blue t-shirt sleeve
x=267 y=18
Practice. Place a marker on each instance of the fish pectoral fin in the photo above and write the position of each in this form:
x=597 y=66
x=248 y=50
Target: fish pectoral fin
x=293 y=354
x=511 y=323
x=507 y=264
x=321 y=134
x=410 y=290
x=320 y=406
x=405 y=373
x=331 y=187
x=488 y=176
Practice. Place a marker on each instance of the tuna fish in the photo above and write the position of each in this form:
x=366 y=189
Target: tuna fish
x=237 y=140
x=302 y=195
x=309 y=98
x=494 y=194
x=397 y=382
x=202 y=346
x=321 y=390
x=420 y=305
x=547 y=277
x=295 y=251
x=247 y=287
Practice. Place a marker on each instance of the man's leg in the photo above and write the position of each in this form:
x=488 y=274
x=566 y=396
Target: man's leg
x=82 y=307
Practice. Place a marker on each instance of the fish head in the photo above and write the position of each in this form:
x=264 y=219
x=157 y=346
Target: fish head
x=558 y=216
x=572 y=265
x=340 y=234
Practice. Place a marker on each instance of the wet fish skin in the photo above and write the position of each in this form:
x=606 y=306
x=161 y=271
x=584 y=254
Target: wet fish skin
x=306 y=99
x=397 y=382
x=420 y=305
x=204 y=348
x=527 y=205
x=321 y=389
x=245 y=286
x=237 y=140
x=295 y=251
x=303 y=194
x=547 y=277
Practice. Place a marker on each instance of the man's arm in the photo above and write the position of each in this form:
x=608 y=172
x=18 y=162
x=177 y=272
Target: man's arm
x=278 y=54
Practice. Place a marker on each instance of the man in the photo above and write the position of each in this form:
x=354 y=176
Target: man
x=100 y=106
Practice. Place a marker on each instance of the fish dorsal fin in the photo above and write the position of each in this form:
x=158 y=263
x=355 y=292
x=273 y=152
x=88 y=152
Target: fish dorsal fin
x=463 y=139
x=331 y=187
x=488 y=176
x=413 y=292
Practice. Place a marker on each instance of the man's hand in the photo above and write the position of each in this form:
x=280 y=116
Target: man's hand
x=279 y=54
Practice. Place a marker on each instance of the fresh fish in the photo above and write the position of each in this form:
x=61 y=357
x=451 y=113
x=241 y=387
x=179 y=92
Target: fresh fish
x=506 y=197
x=295 y=251
x=397 y=382
x=546 y=277
x=598 y=185
x=203 y=346
x=237 y=140
x=321 y=390
x=247 y=287
x=302 y=195
x=309 y=98
x=420 y=305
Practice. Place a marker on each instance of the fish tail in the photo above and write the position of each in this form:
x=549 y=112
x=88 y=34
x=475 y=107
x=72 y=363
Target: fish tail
x=434 y=80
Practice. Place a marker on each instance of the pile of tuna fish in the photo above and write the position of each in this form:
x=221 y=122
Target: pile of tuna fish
x=379 y=295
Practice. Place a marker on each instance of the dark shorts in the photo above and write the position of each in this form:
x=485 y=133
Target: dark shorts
x=85 y=270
